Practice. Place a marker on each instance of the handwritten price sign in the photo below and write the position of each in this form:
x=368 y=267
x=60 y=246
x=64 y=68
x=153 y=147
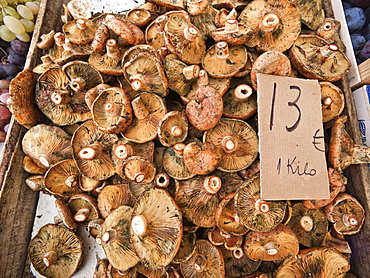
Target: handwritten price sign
x=291 y=138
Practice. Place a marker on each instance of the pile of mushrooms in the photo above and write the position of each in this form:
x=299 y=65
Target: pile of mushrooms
x=143 y=127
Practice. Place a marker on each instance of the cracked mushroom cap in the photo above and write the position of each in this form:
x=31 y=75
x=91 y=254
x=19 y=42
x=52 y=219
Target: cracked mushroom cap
x=276 y=244
x=319 y=262
x=224 y=60
x=206 y=262
x=156 y=228
x=174 y=163
x=91 y=151
x=115 y=239
x=137 y=169
x=112 y=110
x=312 y=12
x=237 y=143
x=309 y=225
x=315 y=58
x=275 y=24
x=149 y=109
x=255 y=213
x=145 y=72
x=332 y=101
x=84 y=208
x=63 y=179
x=346 y=213
x=55 y=251
x=46 y=145
x=173 y=128
x=80 y=31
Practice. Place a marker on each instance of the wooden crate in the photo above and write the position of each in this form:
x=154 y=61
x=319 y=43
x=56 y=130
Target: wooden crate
x=18 y=202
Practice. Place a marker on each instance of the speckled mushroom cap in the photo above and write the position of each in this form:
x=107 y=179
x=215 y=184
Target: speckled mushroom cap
x=275 y=24
x=276 y=244
x=123 y=149
x=314 y=58
x=46 y=145
x=115 y=238
x=55 y=251
x=112 y=110
x=156 y=228
x=149 y=109
x=80 y=31
x=84 y=208
x=332 y=101
x=312 y=12
x=134 y=50
x=332 y=264
x=255 y=213
x=309 y=225
x=63 y=179
x=346 y=213
x=237 y=143
x=91 y=151
x=206 y=262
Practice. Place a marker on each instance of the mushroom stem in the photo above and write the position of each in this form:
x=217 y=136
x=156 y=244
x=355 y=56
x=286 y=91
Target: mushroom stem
x=108 y=236
x=191 y=72
x=162 y=180
x=229 y=144
x=190 y=33
x=112 y=108
x=162 y=52
x=176 y=131
x=44 y=160
x=67 y=45
x=139 y=225
x=137 y=83
x=90 y=152
x=203 y=78
x=233 y=14
x=59 y=39
x=306 y=223
x=262 y=206
x=231 y=26
x=60 y=98
x=197 y=7
x=327 y=101
x=112 y=49
x=77 y=84
x=361 y=154
x=243 y=92
x=222 y=50
x=139 y=108
x=271 y=248
x=327 y=51
x=50 y=258
x=122 y=151
x=199 y=263
x=179 y=149
x=81 y=215
x=238 y=253
x=139 y=177
x=349 y=220
x=160 y=22
x=212 y=184
x=269 y=22
x=71 y=181
x=81 y=24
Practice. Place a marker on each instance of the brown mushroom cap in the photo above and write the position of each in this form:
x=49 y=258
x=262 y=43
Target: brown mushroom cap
x=276 y=244
x=172 y=129
x=320 y=262
x=314 y=58
x=139 y=16
x=154 y=32
x=346 y=213
x=55 y=251
x=223 y=60
x=31 y=167
x=309 y=225
x=332 y=101
x=206 y=262
x=112 y=110
x=137 y=169
x=91 y=151
x=36 y=183
x=46 y=40
x=46 y=145
x=329 y=30
x=275 y=24
x=255 y=213
x=80 y=31
x=115 y=238
x=174 y=164
x=65 y=214
x=312 y=12
x=236 y=141
x=149 y=109
x=84 y=208
x=156 y=228
x=218 y=238
x=230 y=4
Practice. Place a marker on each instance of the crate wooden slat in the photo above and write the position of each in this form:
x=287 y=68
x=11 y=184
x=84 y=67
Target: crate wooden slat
x=18 y=202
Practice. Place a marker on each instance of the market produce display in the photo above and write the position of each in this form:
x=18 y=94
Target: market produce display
x=134 y=126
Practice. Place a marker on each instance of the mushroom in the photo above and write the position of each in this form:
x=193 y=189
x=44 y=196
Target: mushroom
x=47 y=63
x=174 y=164
x=123 y=149
x=329 y=31
x=101 y=269
x=134 y=50
x=149 y=109
x=140 y=16
x=46 y=40
x=277 y=244
x=206 y=262
x=55 y=251
x=342 y=149
x=318 y=262
x=46 y=145
x=79 y=9
x=309 y=225
x=172 y=129
x=224 y=60
x=87 y=184
x=339 y=243
x=64 y=215
x=63 y=179
x=171 y=4
x=84 y=208
x=237 y=143
x=91 y=151
x=275 y=24
x=332 y=101
x=315 y=58
x=239 y=101
x=145 y=72
x=154 y=32
x=115 y=239
x=156 y=228
x=233 y=32
x=36 y=183
x=151 y=272
x=94 y=92
x=80 y=31
x=94 y=227
x=218 y=238
x=346 y=214
x=312 y=12
x=270 y=62
x=255 y=213
x=102 y=34
x=112 y=111
x=31 y=167
x=116 y=273
x=22 y=103
x=137 y=169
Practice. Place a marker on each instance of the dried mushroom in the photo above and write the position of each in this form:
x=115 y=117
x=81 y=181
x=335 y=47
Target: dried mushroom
x=55 y=251
x=84 y=208
x=115 y=238
x=172 y=129
x=80 y=31
x=31 y=167
x=154 y=32
x=123 y=149
x=36 y=183
x=46 y=145
x=156 y=228
x=255 y=213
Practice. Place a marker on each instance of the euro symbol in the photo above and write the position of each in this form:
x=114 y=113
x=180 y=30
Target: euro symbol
x=318 y=142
